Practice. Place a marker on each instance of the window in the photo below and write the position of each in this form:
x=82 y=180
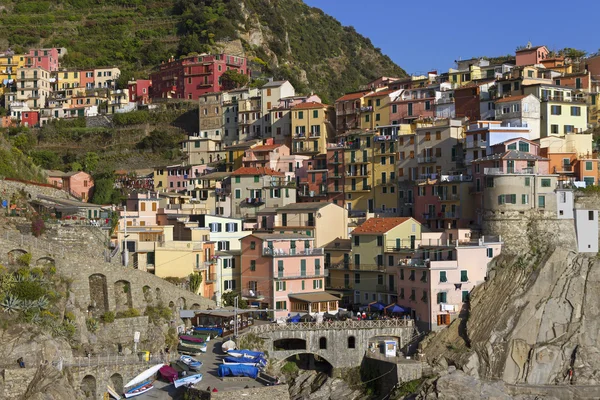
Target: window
x=367 y=118
x=229 y=285
x=231 y=227
x=356 y=240
x=555 y=110
x=541 y=201
x=351 y=342
x=379 y=260
x=252 y=265
x=553 y=128
x=238 y=193
x=394 y=108
x=527 y=181
x=356 y=277
x=377 y=117
x=318 y=284
x=589 y=165
x=424 y=276
x=465 y=296
x=490 y=252
x=401 y=293
x=237 y=178
x=442 y=297
x=323 y=343
x=379 y=241
x=545 y=182
x=300 y=114
x=280 y=286
x=281 y=305
x=252 y=245
x=464 y=276
x=575 y=111
x=302 y=267
x=443 y=277
x=591 y=215
x=524 y=199
x=401 y=274
x=427 y=136
x=569 y=129
x=524 y=147
x=256 y=179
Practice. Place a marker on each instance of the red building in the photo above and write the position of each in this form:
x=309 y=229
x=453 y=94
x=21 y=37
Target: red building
x=86 y=79
x=45 y=58
x=30 y=118
x=193 y=76
x=139 y=91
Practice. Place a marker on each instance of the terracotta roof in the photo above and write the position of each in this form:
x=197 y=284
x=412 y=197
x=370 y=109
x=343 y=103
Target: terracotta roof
x=529 y=49
x=353 y=96
x=266 y=147
x=382 y=93
x=379 y=225
x=511 y=155
x=511 y=98
x=256 y=171
x=312 y=104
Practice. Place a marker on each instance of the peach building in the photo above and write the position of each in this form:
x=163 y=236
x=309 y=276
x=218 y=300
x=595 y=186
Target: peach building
x=284 y=272
x=78 y=183
x=436 y=279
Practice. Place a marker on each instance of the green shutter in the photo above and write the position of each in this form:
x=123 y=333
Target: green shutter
x=443 y=277
x=463 y=276
x=302 y=285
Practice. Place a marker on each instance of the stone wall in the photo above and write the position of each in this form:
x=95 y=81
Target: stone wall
x=9 y=187
x=15 y=381
x=100 y=121
x=279 y=392
x=122 y=329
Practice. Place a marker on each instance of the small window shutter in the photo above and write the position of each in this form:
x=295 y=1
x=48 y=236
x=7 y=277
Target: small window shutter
x=232 y=263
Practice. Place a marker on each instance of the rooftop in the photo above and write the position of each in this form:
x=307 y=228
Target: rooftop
x=379 y=225
x=265 y=147
x=273 y=84
x=305 y=206
x=282 y=236
x=309 y=105
x=314 y=297
x=511 y=155
x=353 y=96
x=381 y=93
x=216 y=175
x=512 y=98
x=256 y=171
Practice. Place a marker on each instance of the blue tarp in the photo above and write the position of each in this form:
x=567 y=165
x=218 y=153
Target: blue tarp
x=217 y=331
x=237 y=370
x=295 y=318
x=240 y=360
x=250 y=353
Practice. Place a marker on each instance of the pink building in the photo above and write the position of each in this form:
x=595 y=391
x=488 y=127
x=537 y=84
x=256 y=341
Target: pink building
x=285 y=272
x=44 y=58
x=445 y=202
x=78 y=183
x=435 y=281
x=531 y=55
x=413 y=104
x=142 y=209
x=265 y=155
x=139 y=91
x=177 y=177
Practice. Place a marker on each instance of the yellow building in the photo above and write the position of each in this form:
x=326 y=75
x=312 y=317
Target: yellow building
x=358 y=161
x=160 y=178
x=460 y=77
x=593 y=102
x=310 y=128
x=68 y=82
x=233 y=154
x=8 y=69
x=384 y=193
x=376 y=111
x=32 y=86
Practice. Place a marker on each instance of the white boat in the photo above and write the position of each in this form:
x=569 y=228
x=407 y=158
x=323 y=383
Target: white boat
x=141 y=383
x=188 y=380
x=250 y=364
x=191 y=362
x=112 y=392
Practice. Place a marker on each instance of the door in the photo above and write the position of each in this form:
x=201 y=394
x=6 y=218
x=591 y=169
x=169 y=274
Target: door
x=371 y=205
x=412 y=241
x=510 y=166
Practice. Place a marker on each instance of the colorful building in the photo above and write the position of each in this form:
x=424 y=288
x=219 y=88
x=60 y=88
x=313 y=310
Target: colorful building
x=531 y=55
x=348 y=109
x=377 y=108
x=139 y=91
x=78 y=183
x=572 y=157
x=310 y=128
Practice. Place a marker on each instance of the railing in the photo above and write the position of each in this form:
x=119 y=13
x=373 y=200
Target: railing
x=426 y=160
x=338 y=325
x=444 y=100
x=267 y=251
x=384 y=289
x=564 y=99
x=211 y=278
x=317 y=274
x=358 y=267
x=449 y=197
x=476 y=144
x=563 y=168
x=457 y=178
x=253 y=294
x=500 y=171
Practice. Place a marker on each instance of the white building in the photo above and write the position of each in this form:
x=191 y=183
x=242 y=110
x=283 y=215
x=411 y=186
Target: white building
x=586 y=226
x=520 y=111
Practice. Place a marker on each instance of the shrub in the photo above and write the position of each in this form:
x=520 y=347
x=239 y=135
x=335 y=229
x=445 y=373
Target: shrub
x=24 y=259
x=38 y=227
x=91 y=324
x=69 y=316
x=108 y=317
x=130 y=313
x=158 y=314
x=28 y=290
x=290 y=369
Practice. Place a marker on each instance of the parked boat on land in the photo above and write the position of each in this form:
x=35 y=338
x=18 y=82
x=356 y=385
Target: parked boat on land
x=191 y=362
x=141 y=383
x=250 y=361
x=245 y=353
x=237 y=370
x=188 y=380
x=193 y=339
x=213 y=331
x=191 y=351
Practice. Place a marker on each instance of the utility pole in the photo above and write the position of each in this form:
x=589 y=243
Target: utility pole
x=125 y=254
x=235 y=315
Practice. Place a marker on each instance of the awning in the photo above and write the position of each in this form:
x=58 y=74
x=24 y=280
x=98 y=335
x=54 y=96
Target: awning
x=315 y=297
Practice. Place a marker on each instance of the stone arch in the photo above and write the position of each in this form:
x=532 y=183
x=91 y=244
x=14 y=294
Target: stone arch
x=322 y=343
x=44 y=261
x=289 y=344
x=14 y=254
x=311 y=361
x=88 y=387
x=98 y=294
x=147 y=291
x=158 y=297
x=195 y=306
x=172 y=306
x=122 y=291
x=116 y=381
x=181 y=303
x=351 y=342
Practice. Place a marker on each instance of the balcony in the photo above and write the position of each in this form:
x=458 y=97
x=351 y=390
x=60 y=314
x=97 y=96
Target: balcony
x=564 y=169
x=476 y=144
x=426 y=160
x=358 y=174
x=272 y=252
x=317 y=274
x=335 y=176
x=385 y=289
x=366 y=109
x=449 y=197
x=564 y=99
x=365 y=188
x=255 y=202
x=200 y=267
x=336 y=161
x=300 y=135
x=358 y=267
x=314 y=134
x=445 y=100
x=313 y=193
x=452 y=215
x=336 y=190
x=358 y=161
x=252 y=294
x=501 y=171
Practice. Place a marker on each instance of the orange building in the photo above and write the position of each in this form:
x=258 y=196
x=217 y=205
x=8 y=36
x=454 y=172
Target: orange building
x=571 y=157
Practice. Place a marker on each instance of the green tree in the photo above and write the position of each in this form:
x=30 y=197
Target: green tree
x=195 y=281
x=46 y=159
x=228 y=299
x=75 y=166
x=572 y=53
x=90 y=162
x=231 y=79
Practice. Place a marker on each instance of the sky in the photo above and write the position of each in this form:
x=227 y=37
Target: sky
x=424 y=36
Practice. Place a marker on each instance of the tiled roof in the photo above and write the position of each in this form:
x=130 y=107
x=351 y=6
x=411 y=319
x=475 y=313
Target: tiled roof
x=512 y=155
x=273 y=84
x=382 y=93
x=379 y=225
x=529 y=49
x=266 y=147
x=511 y=98
x=311 y=104
x=256 y=171
x=353 y=96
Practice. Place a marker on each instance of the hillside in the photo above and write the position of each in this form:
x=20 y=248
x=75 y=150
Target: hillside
x=285 y=38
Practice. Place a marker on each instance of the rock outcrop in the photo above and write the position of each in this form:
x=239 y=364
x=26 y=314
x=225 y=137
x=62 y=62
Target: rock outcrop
x=313 y=385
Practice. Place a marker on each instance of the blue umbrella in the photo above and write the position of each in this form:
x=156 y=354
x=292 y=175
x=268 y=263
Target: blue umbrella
x=394 y=309
x=376 y=305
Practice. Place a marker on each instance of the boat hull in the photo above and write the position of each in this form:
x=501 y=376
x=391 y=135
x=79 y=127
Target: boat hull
x=138 y=391
x=248 y=364
x=188 y=380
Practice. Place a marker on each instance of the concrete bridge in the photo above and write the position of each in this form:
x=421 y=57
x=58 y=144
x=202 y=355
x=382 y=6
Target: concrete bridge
x=343 y=344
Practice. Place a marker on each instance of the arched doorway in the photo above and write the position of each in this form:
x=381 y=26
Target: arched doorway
x=289 y=344
x=116 y=381
x=88 y=387
x=123 y=300
x=311 y=362
x=98 y=294
x=147 y=294
x=181 y=303
x=15 y=256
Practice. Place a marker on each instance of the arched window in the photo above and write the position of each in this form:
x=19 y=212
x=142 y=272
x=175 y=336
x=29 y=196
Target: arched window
x=351 y=342
x=323 y=343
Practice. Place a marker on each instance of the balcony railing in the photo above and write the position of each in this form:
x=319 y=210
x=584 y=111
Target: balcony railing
x=449 y=197
x=268 y=251
x=501 y=171
x=358 y=267
x=564 y=99
x=385 y=289
x=252 y=294
x=365 y=188
x=563 y=169
x=426 y=159
x=317 y=274
x=475 y=144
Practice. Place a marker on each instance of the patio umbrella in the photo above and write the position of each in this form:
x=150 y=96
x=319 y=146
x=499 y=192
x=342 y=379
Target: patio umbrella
x=295 y=318
x=328 y=317
x=306 y=318
x=394 y=309
x=376 y=305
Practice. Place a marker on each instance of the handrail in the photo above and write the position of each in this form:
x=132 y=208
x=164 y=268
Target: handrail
x=348 y=324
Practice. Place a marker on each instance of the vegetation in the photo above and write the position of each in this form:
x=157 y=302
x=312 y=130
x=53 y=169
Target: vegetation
x=129 y=313
x=24 y=259
x=290 y=370
x=233 y=80
x=108 y=317
x=137 y=35
x=228 y=299
x=38 y=226
x=158 y=314
x=195 y=282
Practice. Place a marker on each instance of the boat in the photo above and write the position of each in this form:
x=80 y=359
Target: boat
x=141 y=383
x=191 y=362
x=193 y=345
x=193 y=339
x=168 y=373
x=245 y=353
x=254 y=362
x=188 y=380
x=201 y=335
x=176 y=367
x=213 y=331
x=182 y=365
x=228 y=345
x=192 y=351
x=237 y=370
x=112 y=392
